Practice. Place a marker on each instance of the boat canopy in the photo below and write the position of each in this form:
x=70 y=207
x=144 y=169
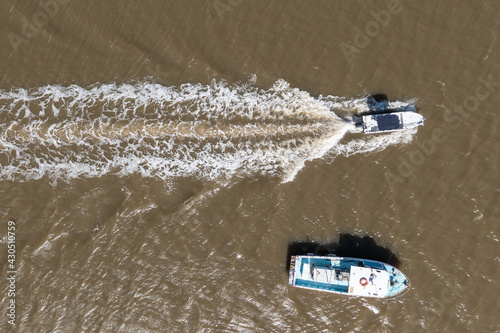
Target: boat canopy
x=388 y=122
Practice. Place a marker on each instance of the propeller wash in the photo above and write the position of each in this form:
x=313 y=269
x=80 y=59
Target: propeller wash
x=210 y=132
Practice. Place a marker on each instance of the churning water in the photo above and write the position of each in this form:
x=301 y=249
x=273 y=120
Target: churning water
x=208 y=131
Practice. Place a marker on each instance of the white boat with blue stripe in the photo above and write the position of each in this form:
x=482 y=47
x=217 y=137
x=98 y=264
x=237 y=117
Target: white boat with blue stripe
x=350 y=276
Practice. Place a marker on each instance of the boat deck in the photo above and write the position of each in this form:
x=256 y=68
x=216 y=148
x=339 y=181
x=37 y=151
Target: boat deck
x=324 y=273
x=358 y=277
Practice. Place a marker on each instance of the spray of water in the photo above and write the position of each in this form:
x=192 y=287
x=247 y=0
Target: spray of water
x=210 y=132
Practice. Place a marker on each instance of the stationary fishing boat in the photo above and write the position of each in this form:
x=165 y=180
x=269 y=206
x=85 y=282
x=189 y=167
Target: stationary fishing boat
x=350 y=276
x=392 y=121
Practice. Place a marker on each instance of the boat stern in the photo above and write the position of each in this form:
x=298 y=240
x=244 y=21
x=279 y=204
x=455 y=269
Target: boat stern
x=291 y=274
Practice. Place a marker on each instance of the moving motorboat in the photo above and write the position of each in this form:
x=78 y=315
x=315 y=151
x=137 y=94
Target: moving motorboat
x=391 y=121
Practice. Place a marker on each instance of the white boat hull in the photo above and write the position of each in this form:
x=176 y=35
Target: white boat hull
x=390 y=122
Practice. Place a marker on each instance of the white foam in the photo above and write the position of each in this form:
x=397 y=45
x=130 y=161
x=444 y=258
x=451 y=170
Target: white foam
x=207 y=131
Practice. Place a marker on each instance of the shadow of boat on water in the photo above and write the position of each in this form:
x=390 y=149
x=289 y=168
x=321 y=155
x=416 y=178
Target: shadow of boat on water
x=348 y=245
x=379 y=103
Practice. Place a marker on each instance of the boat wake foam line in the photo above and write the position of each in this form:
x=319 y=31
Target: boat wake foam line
x=210 y=131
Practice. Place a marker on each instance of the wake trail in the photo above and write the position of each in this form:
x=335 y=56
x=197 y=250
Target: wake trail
x=38 y=131
x=210 y=132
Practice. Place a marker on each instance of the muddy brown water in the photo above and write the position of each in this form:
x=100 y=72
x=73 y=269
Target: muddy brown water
x=159 y=160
